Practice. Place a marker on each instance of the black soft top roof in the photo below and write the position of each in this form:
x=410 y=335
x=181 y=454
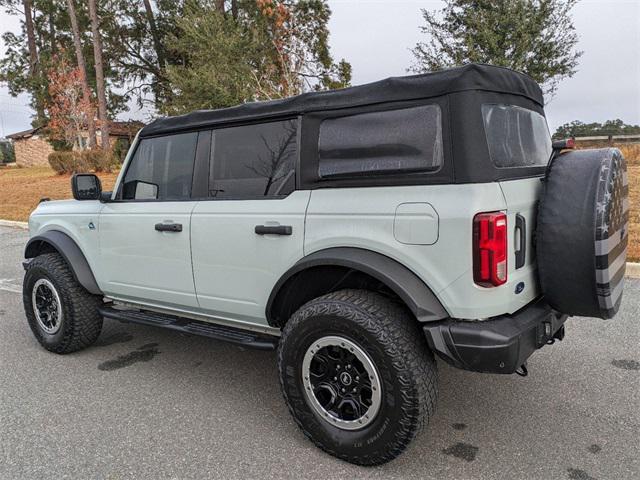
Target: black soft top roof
x=468 y=77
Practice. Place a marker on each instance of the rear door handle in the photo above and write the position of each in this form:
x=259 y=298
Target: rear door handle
x=274 y=230
x=169 y=227
x=521 y=232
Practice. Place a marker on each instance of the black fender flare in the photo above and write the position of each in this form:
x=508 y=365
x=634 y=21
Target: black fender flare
x=70 y=251
x=417 y=296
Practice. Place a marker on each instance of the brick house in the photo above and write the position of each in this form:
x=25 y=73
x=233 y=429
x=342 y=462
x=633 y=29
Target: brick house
x=32 y=147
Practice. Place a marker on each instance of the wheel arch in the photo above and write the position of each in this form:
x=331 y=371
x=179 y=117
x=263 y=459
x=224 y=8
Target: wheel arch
x=337 y=268
x=54 y=241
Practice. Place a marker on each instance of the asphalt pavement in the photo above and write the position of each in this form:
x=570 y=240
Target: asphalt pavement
x=152 y=404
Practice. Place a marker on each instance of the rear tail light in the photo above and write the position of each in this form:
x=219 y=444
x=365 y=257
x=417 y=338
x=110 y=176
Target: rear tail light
x=490 y=249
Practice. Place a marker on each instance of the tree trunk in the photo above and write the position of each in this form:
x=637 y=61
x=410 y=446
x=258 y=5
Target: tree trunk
x=220 y=5
x=86 y=92
x=33 y=57
x=52 y=36
x=100 y=86
x=234 y=8
x=154 y=34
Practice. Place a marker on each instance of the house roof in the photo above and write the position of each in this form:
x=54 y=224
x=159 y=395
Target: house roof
x=116 y=128
x=128 y=128
x=24 y=133
x=473 y=76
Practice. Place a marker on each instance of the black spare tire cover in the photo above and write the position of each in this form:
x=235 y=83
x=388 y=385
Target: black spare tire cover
x=582 y=232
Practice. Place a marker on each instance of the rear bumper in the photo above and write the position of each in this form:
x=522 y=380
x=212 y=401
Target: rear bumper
x=498 y=345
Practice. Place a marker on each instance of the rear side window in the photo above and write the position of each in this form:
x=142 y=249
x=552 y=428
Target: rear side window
x=161 y=169
x=253 y=160
x=517 y=137
x=384 y=142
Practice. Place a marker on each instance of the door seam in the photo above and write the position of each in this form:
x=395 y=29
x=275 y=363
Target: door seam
x=193 y=271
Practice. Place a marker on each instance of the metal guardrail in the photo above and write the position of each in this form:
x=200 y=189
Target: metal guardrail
x=606 y=138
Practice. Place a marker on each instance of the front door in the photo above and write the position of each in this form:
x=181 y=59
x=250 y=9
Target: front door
x=251 y=228
x=145 y=248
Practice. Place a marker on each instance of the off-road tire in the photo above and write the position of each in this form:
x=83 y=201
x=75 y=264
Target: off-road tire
x=81 y=323
x=397 y=347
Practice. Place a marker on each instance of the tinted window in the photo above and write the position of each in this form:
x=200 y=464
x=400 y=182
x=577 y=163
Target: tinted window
x=162 y=168
x=253 y=160
x=381 y=142
x=517 y=137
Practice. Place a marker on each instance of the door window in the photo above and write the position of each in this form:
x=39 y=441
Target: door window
x=161 y=169
x=252 y=161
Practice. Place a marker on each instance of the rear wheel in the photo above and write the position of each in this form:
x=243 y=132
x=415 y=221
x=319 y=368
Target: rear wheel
x=357 y=375
x=62 y=315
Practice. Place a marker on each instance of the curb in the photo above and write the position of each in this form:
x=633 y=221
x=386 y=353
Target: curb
x=11 y=223
x=633 y=270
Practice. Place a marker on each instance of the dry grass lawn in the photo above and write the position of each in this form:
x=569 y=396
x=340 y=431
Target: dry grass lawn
x=22 y=188
x=634 y=214
x=631 y=153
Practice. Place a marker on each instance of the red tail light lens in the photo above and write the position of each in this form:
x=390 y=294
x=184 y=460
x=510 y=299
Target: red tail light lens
x=490 y=249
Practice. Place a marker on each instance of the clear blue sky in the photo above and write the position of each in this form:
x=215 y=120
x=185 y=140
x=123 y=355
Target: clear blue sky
x=376 y=37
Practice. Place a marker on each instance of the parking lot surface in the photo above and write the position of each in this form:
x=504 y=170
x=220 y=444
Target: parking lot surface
x=149 y=403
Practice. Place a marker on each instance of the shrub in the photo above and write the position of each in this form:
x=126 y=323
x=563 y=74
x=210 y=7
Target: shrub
x=68 y=162
x=7 y=153
x=99 y=160
x=82 y=162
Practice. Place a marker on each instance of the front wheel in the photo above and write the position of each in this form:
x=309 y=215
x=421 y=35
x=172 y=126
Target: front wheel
x=357 y=375
x=63 y=316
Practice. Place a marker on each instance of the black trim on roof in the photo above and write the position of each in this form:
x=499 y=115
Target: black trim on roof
x=468 y=77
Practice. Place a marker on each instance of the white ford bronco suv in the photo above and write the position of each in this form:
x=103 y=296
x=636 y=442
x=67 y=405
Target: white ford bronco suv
x=360 y=232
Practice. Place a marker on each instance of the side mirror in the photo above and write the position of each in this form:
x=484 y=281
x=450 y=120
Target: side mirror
x=86 y=186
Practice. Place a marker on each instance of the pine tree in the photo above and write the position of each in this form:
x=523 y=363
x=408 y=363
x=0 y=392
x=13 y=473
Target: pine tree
x=536 y=37
x=100 y=84
x=82 y=68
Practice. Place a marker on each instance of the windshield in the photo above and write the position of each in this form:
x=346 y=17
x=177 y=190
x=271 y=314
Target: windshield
x=517 y=137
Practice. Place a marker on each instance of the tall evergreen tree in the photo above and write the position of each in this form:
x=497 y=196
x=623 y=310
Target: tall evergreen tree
x=52 y=34
x=536 y=37
x=82 y=68
x=272 y=49
x=161 y=53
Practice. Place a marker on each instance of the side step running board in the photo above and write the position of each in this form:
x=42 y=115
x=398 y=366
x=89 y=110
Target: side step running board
x=195 y=327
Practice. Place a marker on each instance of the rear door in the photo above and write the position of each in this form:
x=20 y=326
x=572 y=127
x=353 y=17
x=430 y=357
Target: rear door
x=145 y=251
x=518 y=138
x=250 y=229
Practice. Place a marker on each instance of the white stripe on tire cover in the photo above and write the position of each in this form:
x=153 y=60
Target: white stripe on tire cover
x=606 y=274
x=608 y=301
x=603 y=247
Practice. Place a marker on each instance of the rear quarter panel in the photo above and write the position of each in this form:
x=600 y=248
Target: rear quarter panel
x=364 y=218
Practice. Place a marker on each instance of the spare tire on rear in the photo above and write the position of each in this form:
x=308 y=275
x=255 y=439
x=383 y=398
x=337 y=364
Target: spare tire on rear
x=581 y=237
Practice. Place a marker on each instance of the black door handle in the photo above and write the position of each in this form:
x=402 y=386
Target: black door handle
x=273 y=230
x=521 y=228
x=169 y=227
